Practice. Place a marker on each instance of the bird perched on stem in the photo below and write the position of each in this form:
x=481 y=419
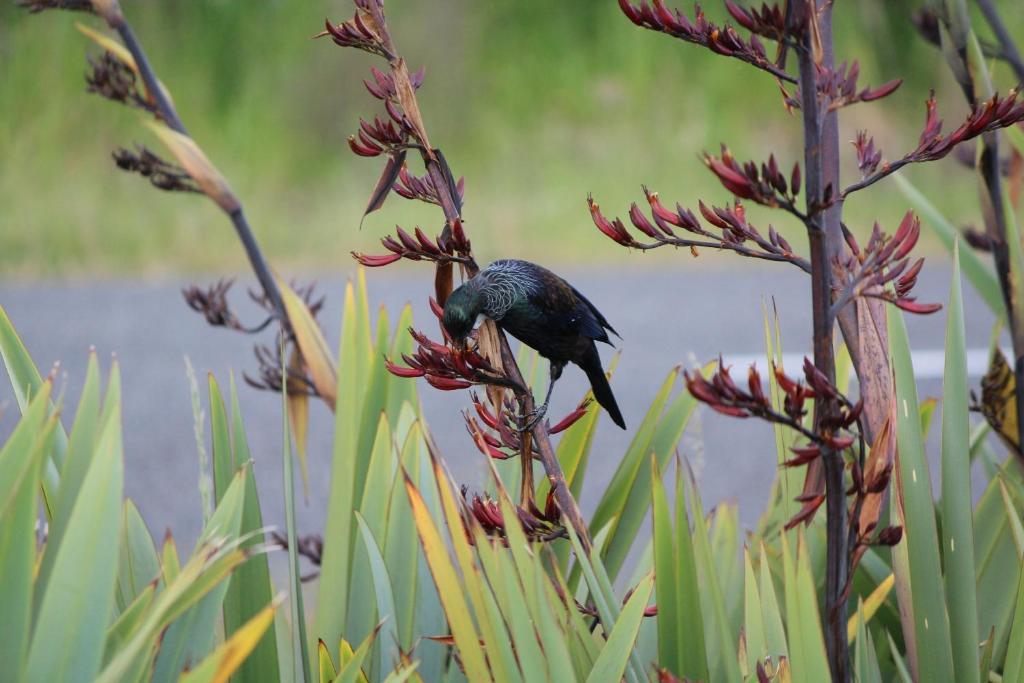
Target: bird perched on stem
x=544 y=312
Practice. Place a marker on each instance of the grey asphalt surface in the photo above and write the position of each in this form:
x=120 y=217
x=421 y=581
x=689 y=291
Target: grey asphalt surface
x=666 y=316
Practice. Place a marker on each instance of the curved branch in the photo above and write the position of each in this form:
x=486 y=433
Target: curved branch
x=801 y=263
x=112 y=14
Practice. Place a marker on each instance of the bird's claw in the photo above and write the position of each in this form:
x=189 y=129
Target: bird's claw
x=532 y=417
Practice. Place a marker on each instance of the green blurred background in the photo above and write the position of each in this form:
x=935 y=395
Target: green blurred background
x=536 y=102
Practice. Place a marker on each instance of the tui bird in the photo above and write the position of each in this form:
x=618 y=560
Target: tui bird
x=544 y=312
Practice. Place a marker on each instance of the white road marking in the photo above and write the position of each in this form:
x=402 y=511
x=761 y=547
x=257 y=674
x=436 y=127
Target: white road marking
x=928 y=363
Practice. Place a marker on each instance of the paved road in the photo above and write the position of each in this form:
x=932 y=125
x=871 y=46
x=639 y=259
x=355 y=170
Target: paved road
x=665 y=316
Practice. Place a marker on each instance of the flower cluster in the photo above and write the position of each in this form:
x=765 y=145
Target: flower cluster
x=411 y=186
x=838 y=87
x=111 y=78
x=989 y=115
x=723 y=395
x=447 y=368
x=868 y=156
x=833 y=433
x=733 y=231
x=272 y=376
x=162 y=174
x=379 y=137
x=502 y=438
x=723 y=40
x=212 y=303
x=766 y=185
x=882 y=261
x=537 y=524
x=383 y=86
x=360 y=32
x=992 y=114
x=421 y=248
x=768 y=22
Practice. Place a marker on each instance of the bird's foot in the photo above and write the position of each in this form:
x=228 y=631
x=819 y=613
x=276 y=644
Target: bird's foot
x=530 y=419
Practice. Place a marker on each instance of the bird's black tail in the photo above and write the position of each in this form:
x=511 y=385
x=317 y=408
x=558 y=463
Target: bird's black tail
x=599 y=383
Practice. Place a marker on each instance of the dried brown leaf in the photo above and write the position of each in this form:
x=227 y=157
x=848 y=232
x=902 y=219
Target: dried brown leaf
x=880 y=457
x=310 y=339
x=407 y=98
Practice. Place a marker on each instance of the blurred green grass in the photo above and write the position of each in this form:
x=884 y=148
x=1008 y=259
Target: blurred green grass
x=536 y=103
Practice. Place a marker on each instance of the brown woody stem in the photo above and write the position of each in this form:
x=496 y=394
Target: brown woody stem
x=559 y=487
x=821 y=157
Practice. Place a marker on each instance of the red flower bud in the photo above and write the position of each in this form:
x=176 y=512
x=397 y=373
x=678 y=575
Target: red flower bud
x=400 y=371
x=447 y=383
x=754 y=384
x=806 y=512
x=641 y=222
x=426 y=243
x=803 y=456
x=881 y=91
x=569 y=420
x=375 y=261
x=731 y=179
x=364 y=150
x=631 y=13
x=458 y=234
x=615 y=230
x=910 y=306
x=407 y=239
x=731 y=411
x=660 y=212
x=839 y=443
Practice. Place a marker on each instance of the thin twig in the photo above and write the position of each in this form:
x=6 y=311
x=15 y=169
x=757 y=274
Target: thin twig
x=801 y=263
x=884 y=172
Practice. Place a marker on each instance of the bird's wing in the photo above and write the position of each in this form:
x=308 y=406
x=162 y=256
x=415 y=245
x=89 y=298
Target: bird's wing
x=600 y=323
x=568 y=311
